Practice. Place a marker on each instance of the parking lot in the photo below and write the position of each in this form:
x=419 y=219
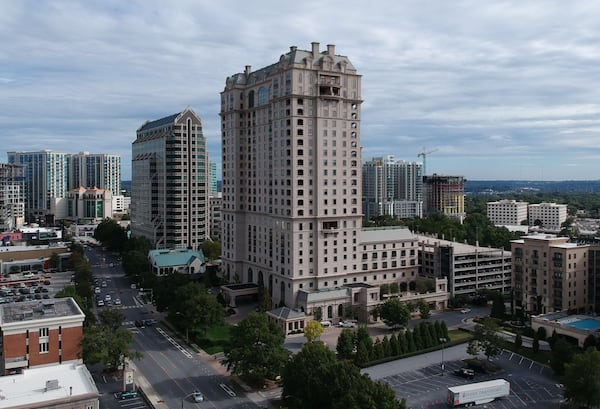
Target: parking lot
x=532 y=384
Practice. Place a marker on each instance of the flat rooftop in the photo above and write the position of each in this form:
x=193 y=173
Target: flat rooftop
x=51 y=383
x=38 y=309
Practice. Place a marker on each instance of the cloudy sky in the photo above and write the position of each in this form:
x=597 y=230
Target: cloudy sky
x=499 y=89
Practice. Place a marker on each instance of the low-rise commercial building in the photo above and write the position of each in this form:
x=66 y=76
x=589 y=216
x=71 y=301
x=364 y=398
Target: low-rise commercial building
x=507 y=212
x=66 y=386
x=40 y=333
x=183 y=261
x=548 y=215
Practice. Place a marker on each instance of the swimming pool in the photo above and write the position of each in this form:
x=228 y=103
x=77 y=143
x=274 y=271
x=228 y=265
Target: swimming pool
x=586 y=323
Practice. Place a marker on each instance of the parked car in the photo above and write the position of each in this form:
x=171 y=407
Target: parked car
x=465 y=373
x=100 y=303
x=347 y=324
x=126 y=395
x=139 y=323
x=117 y=301
x=465 y=311
x=326 y=324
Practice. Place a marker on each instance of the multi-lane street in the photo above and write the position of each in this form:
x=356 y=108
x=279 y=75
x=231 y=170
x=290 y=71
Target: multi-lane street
x=172 y=369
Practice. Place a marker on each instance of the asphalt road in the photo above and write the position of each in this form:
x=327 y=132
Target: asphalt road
x=173 y=370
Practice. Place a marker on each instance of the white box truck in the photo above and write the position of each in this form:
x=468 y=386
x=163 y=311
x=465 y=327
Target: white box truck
x=477 y=393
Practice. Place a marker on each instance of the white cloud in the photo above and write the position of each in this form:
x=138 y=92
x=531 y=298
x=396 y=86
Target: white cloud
x=504 y=80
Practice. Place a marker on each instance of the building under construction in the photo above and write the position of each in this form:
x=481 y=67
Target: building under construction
x=444 y=194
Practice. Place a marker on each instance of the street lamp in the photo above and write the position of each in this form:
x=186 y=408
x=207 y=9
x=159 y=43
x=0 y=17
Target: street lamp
x=443 y=341
x=185 y=397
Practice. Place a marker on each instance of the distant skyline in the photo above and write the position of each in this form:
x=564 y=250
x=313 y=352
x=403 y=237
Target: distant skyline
x=503 y=90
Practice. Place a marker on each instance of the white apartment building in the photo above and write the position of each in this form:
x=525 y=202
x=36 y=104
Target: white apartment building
x=548 y=215
x=95 y=170
x=215 y=203
x=392 y=187
x=291 y=160
x=507 y=212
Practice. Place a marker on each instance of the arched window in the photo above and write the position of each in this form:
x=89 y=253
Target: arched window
x=262 y=96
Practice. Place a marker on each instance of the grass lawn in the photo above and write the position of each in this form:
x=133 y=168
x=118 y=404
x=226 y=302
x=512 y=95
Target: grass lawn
x=457 y=336
x=215 y=339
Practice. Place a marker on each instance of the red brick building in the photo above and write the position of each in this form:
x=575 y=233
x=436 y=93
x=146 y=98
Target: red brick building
x=40 y=333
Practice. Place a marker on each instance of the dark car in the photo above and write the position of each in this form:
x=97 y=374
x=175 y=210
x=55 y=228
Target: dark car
x=126 y=395
x=465 y=373
x=139 y=323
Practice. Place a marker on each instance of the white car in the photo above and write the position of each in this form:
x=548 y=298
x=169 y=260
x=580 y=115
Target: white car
x=347 y=324
x=107 y=297
x=326 y=324
x=97 y=290
x=117 y=301
x=198 y=397
x=465 y=311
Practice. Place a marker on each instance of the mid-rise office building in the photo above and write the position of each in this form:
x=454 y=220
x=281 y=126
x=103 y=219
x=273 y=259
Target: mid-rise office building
x=548 y=215
x=392 y=187
x=507 y=212
x=169 y=187
x=12 y=196
x=444 y=194
x=46 y=184
x=292 y=216
x=40 y=333
x=550 y=274
x=95 y=170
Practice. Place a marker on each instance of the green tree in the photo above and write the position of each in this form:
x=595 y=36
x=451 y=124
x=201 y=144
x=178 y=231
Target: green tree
x=194 y=309
x=345 y=344
x=378 y=351
x=111 y=234
x=54 y=260
x=498 y=307
x=424 y=309
x=486 y=338
x=410 y=342
x=315 y=379
x=582 y=379
x=364 y=346
x=256 y=348
x=518 y=341
x=395 y=347
x=211 y=249
x=535 y=346
x=590 y=342
x=395 y=313
x=418 y=338
x=107 y=342
x=394 y=288
x=387 y=347
x=313 y=330
x=561 y=354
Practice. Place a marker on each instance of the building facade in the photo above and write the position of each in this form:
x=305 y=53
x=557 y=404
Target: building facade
x=550 y=274
x=46 y=178
x=12 y=196
x=292 y=197
x=95 y=170
x=89 y=205
x=169 y=194
x=507 y=212
x=468 y=268
x=392 y=187
x=216 y=204
x=548 y=215
x=291 y=172
x=40 y=333
x=444 y=194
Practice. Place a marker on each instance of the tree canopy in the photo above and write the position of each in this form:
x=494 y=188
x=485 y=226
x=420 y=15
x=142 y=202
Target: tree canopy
x=315 y=378
x=107 y=342
x=394 y=312
x=313 y=330
x=256 y=348
x=582 y=379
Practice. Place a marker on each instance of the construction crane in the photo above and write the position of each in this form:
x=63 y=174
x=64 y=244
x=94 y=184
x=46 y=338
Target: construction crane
x=424 y=156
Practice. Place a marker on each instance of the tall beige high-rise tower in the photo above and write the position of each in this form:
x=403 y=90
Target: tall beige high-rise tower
x=292 y=173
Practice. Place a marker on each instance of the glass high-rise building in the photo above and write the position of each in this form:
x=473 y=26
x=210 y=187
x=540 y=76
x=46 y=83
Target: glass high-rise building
x=99 y=170
x=169 y=187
